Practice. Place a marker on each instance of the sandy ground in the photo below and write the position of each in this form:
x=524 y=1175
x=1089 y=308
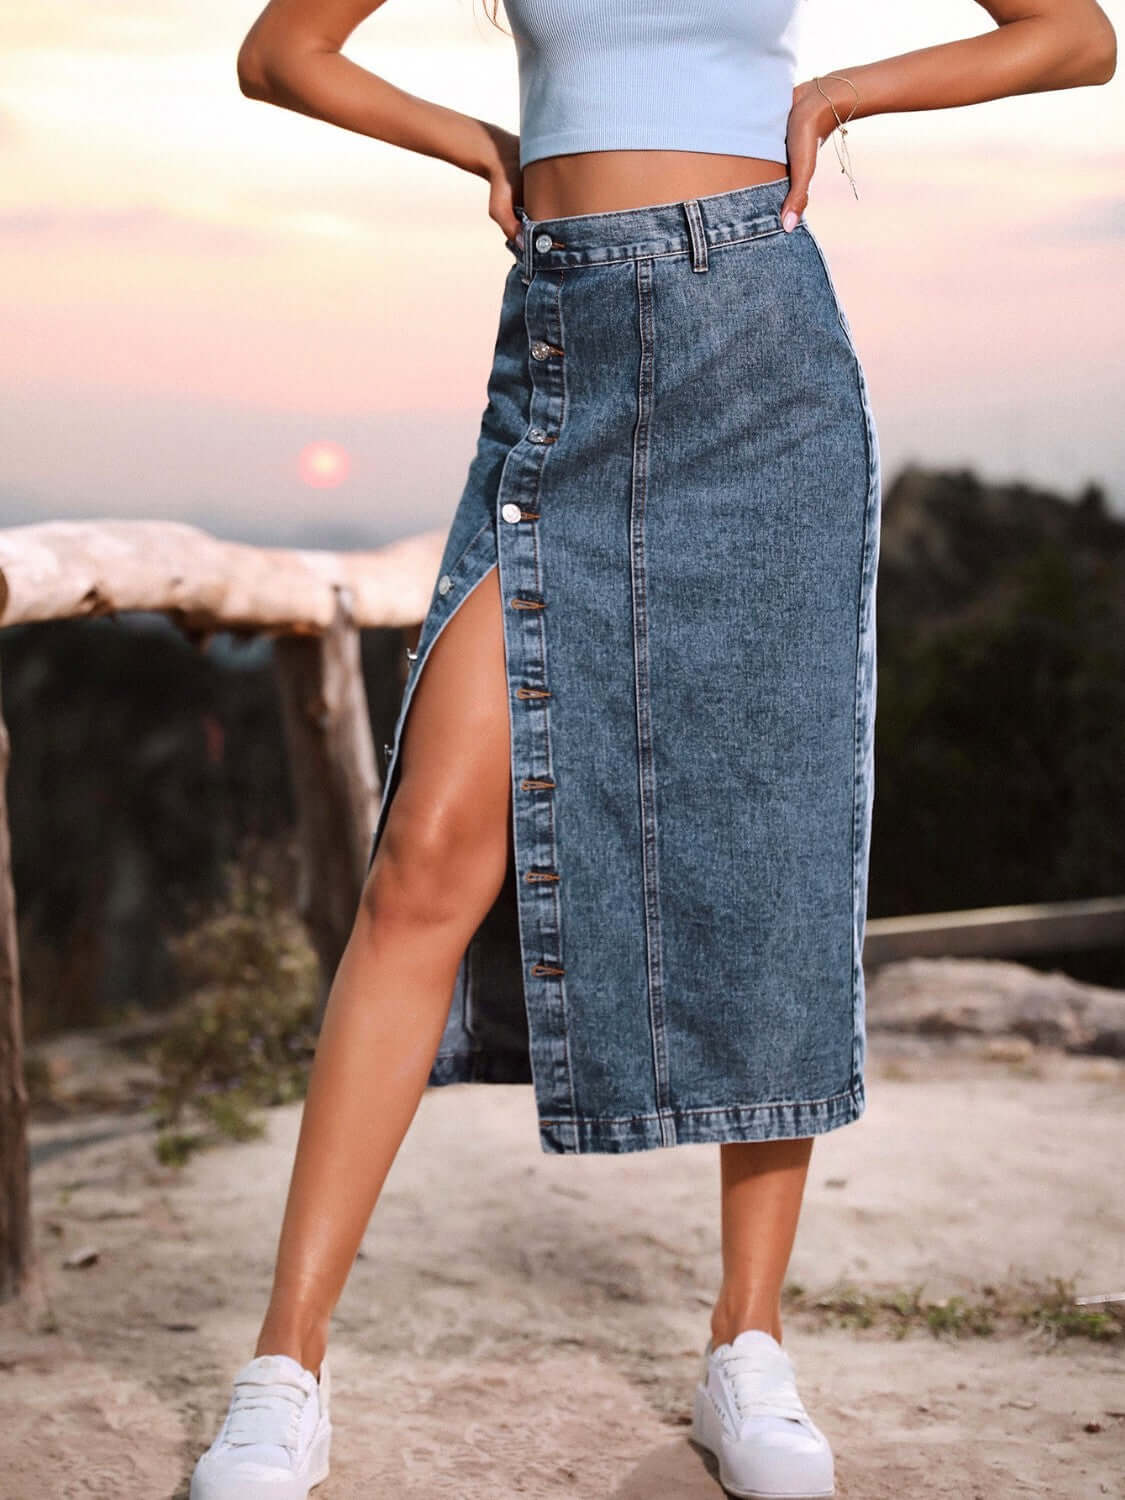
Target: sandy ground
x=526 y=1324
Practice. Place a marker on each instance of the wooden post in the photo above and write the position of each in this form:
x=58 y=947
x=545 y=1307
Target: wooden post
x=15 y=1167
x=334 y=776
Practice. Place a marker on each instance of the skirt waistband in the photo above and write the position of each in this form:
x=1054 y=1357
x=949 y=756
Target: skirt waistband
x=685 y=224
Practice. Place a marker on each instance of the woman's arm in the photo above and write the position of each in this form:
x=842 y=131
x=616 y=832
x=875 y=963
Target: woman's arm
x=1038 y=45
x=291 y=57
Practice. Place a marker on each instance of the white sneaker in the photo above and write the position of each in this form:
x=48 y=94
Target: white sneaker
x=749 y=1415
x=273 y=1444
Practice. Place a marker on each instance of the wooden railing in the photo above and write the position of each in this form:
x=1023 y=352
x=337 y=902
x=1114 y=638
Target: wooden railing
x=315 y=604
x=998 y=931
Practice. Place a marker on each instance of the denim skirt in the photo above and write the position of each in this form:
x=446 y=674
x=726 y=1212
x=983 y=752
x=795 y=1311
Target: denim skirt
x=677 y=475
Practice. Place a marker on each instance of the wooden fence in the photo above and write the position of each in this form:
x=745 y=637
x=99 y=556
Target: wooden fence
x=314 y=604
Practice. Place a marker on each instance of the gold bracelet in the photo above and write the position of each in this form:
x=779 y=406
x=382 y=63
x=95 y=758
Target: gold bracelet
x=843 y=156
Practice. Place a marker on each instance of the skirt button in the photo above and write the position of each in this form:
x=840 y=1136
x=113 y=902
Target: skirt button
x=445 y=583
x=540 y=350
x=511 y=512
x=543 y=242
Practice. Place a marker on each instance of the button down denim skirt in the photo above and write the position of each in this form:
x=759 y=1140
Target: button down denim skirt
x=677 y=475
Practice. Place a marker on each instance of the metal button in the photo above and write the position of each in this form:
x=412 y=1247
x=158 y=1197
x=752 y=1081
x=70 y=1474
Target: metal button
x=536 y=435
x=540 y=350
x=511 y=512
x=543 y=242
x=411 y=655
x=444 y=584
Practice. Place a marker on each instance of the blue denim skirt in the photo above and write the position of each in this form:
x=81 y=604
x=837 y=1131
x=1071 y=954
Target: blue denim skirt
x=678 y=477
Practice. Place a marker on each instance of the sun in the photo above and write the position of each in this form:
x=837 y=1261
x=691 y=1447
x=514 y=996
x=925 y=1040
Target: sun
x=323 y=465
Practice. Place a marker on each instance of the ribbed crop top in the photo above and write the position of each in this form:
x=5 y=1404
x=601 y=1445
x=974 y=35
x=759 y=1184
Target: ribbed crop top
x=688 y=75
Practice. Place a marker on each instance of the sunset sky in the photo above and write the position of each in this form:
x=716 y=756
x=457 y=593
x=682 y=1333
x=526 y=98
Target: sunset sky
x=195 y=287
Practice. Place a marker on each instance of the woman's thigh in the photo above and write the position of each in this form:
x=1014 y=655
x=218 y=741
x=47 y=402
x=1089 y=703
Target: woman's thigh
x=447 y=835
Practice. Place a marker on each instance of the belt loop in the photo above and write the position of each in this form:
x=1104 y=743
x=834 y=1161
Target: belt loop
x=528 y=269
x=698 y=238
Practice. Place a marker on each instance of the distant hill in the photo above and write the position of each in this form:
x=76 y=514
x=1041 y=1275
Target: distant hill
x=1000 y=725
x=953 y=546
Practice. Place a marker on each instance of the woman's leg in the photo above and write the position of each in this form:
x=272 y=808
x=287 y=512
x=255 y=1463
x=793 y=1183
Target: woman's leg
x=763 y=1183
x=439 y=866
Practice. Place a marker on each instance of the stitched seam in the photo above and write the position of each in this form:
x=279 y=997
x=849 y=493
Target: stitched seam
x=770 y=1107
x=867 y=564
x=645 y=768
x=854 y=940
x=563 y=997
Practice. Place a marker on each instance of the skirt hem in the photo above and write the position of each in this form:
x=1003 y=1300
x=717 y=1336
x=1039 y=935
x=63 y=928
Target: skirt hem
x=613 y=1134
x=687 y=1127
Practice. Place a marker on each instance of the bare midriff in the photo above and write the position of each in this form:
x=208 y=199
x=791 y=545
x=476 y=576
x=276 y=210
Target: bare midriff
x=595 y=182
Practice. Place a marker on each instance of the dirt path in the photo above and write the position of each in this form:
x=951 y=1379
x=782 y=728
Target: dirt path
x=525 y=1324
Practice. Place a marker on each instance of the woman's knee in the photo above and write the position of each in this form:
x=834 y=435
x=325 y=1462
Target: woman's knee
x=442 y=856
x=435 y=867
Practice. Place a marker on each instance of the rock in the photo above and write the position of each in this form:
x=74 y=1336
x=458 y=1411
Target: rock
x=86 y=1255
x=996 y=998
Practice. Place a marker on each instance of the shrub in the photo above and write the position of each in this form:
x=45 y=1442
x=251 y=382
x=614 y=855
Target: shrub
x=245 y=1036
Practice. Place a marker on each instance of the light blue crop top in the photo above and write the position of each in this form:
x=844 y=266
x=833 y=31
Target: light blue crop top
x=687 y=75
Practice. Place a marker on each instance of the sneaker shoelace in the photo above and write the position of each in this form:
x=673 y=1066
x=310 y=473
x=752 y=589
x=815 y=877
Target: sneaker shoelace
x=761 y=1391
x=265 y=1412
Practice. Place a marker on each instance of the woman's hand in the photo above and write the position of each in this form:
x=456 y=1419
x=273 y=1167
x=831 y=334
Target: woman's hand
x=811 y=122
x=505 y=180
x=1037 y=45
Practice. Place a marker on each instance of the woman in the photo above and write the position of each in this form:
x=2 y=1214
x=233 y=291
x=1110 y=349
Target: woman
x=622 y=851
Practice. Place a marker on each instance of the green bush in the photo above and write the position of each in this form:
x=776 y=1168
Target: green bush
x=1000 y=743
x=245 y=1036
